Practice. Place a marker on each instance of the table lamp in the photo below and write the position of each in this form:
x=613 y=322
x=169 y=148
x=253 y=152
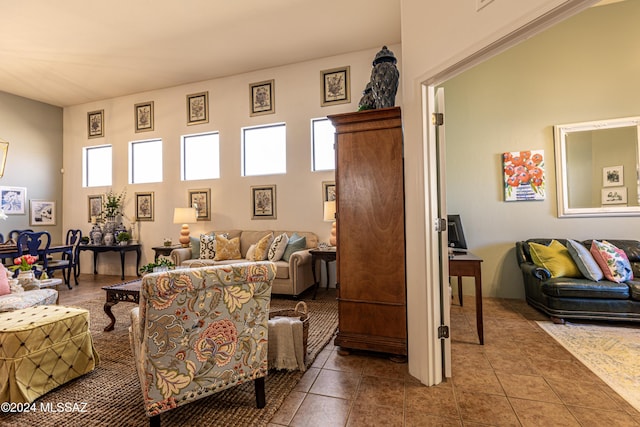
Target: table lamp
x=330 y=215
x=184 y=216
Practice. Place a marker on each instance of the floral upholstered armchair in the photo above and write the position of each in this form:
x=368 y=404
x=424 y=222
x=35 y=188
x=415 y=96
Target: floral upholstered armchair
x=199 y=331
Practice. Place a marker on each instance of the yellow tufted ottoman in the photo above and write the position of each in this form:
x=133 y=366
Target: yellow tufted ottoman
x=41 y=348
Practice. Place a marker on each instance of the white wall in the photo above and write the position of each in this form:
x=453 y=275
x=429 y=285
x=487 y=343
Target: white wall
x=299 y=191
x=34 y=132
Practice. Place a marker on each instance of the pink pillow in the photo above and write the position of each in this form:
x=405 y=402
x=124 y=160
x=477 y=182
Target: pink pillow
x=612 y=261
x=4 y=281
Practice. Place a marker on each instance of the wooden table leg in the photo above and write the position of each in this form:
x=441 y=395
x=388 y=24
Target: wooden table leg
x=313 y=271
x=107 y=309
x=480 y=326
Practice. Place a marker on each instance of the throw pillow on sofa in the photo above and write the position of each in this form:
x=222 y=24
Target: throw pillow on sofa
x=296 y=243
x=554 y=258
x=278 y=246
x=227 y=249
x=262 y=247
x=251 y=253
x=587 y=265
x=5 y=289
x=207 y=246
x=612 y=260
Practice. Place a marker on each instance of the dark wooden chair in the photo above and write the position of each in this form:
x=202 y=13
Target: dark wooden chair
x=73 y=239
x=35 y=244
x=13 y=234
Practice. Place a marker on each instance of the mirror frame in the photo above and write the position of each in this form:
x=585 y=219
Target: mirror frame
x=560 y=133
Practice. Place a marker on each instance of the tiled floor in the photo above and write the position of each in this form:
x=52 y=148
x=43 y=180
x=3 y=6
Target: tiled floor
x=520 y=377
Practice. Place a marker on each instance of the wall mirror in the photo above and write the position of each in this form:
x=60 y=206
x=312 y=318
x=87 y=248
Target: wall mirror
x=597 y=166
x=4 y=148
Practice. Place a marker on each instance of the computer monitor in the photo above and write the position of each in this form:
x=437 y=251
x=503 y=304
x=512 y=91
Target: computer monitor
x=456 y=233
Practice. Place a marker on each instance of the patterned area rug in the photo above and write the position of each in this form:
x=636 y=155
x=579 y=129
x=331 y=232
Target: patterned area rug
x=112 y=392
x=611 y=352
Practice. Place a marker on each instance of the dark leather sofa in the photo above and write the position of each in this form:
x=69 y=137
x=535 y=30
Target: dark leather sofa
x=580 y=298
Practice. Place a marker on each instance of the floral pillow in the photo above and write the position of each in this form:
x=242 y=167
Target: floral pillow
x=227 y=249
x=612 y=261
x=262 y=247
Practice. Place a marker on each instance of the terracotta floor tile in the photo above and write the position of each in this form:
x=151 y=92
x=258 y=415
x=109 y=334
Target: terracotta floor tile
x=533 y=413
x=476 y=380
x=419 y=419
x=305 y=383
x=289 y=407
x=532 y=387
x=384 y=368
x=348 y=363
x=336 y=384
x=321 y=358
x=381 y=392
x=589 y=417
x=438 y=401
x=486 y=409
x=513 y=362
x=582 y=394
x=322 y=411
x=365 y=415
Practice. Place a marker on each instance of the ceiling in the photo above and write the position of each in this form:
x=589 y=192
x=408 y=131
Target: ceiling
x=77 y=51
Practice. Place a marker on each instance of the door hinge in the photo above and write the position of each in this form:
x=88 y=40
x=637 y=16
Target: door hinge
x=437 y=119
x=443 y=331
x=441 y=225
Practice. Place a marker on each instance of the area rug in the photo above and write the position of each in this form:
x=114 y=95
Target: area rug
x=113 y=396
x=612 y=352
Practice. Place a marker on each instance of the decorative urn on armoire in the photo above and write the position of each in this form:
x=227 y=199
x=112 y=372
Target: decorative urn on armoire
x=384 y=79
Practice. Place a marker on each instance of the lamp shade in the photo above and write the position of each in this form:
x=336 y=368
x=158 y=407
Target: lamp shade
x=330 y=211
x=185 y=216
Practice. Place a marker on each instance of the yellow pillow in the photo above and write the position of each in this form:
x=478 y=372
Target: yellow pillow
x=262 y=247
x=555 y=258
x=227 y=249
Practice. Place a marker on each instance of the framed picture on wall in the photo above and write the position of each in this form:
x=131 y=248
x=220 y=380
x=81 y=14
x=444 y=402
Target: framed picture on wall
x=263 y=202
x=200 y=199
x=144 y=116
x=95 y=207
x=198 y=108
x=328 y=191
x=95 y=124
x=144 y=206
x=42 y=212
x=613 y=176
x=335 y=87
x=262 y=98
x=13 y=200
x=614 y=196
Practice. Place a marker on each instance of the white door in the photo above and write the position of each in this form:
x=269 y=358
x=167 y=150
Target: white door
x=439 y=121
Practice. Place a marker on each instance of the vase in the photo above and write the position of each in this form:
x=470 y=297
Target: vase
x=109 y=239
x=26 y=277
x=120 y=228
x=96 y=235
x=109 y=225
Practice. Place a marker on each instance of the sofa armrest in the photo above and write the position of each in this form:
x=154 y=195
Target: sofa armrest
x=535 y=271
x=179 y=255
x=299 y=258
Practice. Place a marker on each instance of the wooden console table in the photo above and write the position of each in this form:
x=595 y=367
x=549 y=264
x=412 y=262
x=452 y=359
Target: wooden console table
x=327 y=255
x=469 y=265
x=122 y=249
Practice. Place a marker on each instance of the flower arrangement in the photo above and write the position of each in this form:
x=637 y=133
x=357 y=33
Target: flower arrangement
x=112 y=203
x=24 y=263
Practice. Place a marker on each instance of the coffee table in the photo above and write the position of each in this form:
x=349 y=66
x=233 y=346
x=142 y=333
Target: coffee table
x=126 y=292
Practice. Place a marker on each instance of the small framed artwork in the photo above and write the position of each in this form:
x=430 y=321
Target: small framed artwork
x=200 y=199
x=42 y=212
x=95 y=207
x=263 y=202
x=198 y=108
x=262 y=98
x=95 y=124
x=613 y=176
x=335 y=86
x=144 y=206
x=144 y=116
x=13 y=200
x=614 y=196
x=523 y=175
x=328 y=191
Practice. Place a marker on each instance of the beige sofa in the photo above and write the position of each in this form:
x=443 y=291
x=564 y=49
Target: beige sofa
x=292 y=277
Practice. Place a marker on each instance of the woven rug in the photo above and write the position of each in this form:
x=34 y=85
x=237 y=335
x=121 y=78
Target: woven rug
x=612 y=352
x=113 y=395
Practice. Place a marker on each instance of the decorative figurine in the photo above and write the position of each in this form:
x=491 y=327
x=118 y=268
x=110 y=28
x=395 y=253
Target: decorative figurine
x=367 y=102
x=384 y=79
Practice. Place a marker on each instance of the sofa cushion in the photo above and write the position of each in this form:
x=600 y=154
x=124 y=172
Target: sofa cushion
x=554 y=258
x=207 y=245
x=251 y=253
x=278 y=246
x=562 y=287
x=20 y=300
x=584 y=260
x=612 y=260
x=251 y=237
x=282 y=269
x=227 y=248
x=634 y=287
x=262 y=247
x=296 y=243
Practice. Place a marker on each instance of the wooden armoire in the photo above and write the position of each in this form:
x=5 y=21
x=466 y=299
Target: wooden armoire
x=370 y=263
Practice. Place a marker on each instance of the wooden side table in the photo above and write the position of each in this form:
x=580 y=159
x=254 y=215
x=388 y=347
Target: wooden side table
x=326 y=255
x=469 y=265
x=126 y=292
x=163 y=250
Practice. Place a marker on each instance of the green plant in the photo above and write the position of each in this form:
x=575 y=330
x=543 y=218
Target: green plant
x=85 y=239
x=124 y=237
x=112 y=203
x=162 y=262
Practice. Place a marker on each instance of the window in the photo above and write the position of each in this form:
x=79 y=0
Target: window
x=264 y=150
x=323 y=139
x=145 y=161
x=200 y=156
x=96 y=166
